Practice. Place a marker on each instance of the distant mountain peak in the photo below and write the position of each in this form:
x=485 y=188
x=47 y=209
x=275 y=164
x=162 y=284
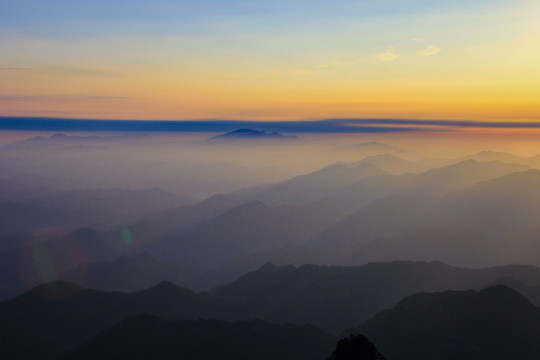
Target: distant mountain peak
x=246 y=133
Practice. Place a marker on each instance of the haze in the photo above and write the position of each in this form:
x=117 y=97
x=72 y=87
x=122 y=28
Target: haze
x=292 y=180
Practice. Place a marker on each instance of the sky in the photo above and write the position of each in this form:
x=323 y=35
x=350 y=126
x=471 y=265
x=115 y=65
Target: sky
x=271 y=60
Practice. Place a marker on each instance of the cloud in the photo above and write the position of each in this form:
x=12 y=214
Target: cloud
x=333 y=63
x=354 y=125
x=62 y=98
x=12 y=68
x=300 y=72
x=417 y=39
x=387 y=56
x=429 y=51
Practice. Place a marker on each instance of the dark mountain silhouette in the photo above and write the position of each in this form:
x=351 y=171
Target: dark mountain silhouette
x=247 y=229
x=249 y=134
x=149 y=337
x=434 y=182
x=289 y=254
x=53 y=318
x=334 y=297
x=495 y=323
x=131 y=273
x=315 y=186
x=530 y=291
x=355 y=347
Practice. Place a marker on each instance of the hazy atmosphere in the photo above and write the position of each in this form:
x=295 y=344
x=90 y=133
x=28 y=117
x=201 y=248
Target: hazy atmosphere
x=344 y=180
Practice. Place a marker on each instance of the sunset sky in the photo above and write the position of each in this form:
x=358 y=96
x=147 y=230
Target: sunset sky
x=271 y=60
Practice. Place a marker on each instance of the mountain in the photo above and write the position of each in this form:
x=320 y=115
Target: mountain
x=315 y=186
x=390 y=163
x=396 y=165
x=16 y=192
x=334 y=298
x=53 y=318
x=530 y=291
x=288 y=254
x=488 y=155
x=119 y=201
x=355 y=347
x=503 y=210
x=495 y=323
x=27 y=219
x=434 y=182
x=247 y=229
x=374 y=147
x=149 y=337
x=42 y=260
x=453 y=244
x=250 y=134
x=55 y=142
x=133 y=273
x=182 y=219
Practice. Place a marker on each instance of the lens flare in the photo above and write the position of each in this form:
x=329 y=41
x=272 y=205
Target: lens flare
x=126 y=235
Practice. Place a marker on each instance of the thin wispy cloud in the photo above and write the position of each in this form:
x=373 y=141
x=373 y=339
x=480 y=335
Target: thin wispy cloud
x=62 y=98
x=5 y=68
x=387 y=56
x=429 y=51
x=417 y=39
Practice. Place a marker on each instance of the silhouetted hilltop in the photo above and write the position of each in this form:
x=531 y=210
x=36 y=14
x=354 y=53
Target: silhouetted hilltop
x=148 y=337
x=337 y=297
x=355 y=347
x=52 y=318
x=530 y=291
x=61 y=315
x=66 y=252
x=495 y=323
x=242 y=134
x=131 y=273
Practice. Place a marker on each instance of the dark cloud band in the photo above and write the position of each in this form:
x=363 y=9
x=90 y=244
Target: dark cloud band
x=313 y=126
